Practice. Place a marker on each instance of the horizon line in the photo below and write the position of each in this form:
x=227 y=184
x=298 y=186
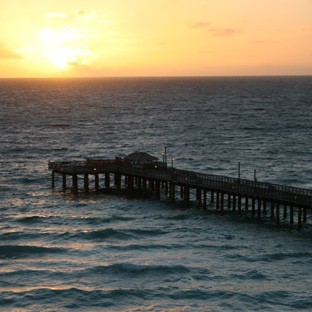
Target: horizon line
x=164 y=76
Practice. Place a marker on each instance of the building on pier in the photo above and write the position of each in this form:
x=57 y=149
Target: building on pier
x=141 y=158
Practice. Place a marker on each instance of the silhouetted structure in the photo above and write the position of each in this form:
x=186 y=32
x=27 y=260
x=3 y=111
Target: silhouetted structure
x=141 y=171
x=141 y=158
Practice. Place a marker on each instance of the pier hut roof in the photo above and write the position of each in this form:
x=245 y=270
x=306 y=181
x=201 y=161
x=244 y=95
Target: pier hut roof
x=141 y=157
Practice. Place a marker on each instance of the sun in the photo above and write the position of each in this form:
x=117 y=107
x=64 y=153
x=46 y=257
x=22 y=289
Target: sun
x=59 y=61
x=59 y=57
x=63 y=47
x=60 y=49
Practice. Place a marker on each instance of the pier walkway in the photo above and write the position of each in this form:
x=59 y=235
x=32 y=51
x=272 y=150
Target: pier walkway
x=261 y=200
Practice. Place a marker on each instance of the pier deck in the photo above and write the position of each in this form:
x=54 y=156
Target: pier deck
x=280 y=202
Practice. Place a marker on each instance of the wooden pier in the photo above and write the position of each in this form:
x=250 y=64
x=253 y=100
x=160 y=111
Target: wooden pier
x=260 y=200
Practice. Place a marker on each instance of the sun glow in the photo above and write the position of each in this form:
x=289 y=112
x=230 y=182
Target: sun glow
x=59 y=48
x=63 y=48
x=98 y=38
x=59 y=59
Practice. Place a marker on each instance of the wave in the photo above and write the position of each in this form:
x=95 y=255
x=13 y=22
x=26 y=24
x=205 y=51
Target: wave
x=87 y=220
x=97 y=220
x=282 y=256
x=31 y=219
x=96 y=235
x=219 y=246
x=271 y=257
x=21 y=235
x=24 y=251
x=25 y=273
x=179 y=217
x=161 y=273
x=254 y=275
x=145 y=247
x=118 y=234
x=73 y=298
x=197 y=294
x=134 y=269
x=60 y=125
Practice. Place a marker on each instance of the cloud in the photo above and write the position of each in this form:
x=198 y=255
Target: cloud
x=84 y=15
x=200 y=25
x=222 y=32
x=57 y=15
x=6 y=53
x=262 y=42
x=76 y=15
x=215 y=31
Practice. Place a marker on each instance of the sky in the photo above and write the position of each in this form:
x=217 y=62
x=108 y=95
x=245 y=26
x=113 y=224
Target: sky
x=105 y=38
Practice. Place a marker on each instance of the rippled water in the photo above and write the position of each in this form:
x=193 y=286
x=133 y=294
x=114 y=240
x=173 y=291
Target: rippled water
x=96 y=252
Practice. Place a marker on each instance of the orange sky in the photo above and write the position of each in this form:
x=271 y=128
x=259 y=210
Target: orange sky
x=95 y=38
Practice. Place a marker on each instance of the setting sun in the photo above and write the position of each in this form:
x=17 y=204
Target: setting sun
x=61 y=48
x=155 y=38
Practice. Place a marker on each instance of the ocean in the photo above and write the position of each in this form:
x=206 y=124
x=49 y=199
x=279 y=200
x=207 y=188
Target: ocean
x=103 y=252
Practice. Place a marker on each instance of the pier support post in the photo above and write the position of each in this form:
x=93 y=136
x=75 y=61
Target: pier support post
x=75 y=183
x=96 y=181
x=253 y=206
x=151 y=184
x=299 y=218
x=277 y=213
x=304 y=215
x=222 y=203
x=253 y=209
x=144 y=183
x=86 y=182
x=130 y=182
x=234 y=202
x=118 y=181
x=157 y=189
x=186 y=195
x=181 y=191
x=218 y=200
x=64 y=181
x=212 y=197
x=198 y=196
x=264 y=206
x=205 y=199
x=53 y=179
x=291 y=212
x=229 y=201
x=172 y=190
x=272 y=210
x=139 y=183
x=239 y=204
x=285 y=211
x=107 y=180
x=246 y=203
x=259 y=210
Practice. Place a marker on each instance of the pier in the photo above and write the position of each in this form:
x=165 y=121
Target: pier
x=262 y=201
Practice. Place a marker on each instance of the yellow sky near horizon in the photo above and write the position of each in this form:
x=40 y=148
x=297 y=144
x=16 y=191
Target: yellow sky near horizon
x=97 y=38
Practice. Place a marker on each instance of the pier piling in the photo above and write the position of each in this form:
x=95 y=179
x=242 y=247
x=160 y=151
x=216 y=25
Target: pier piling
x=75 y=183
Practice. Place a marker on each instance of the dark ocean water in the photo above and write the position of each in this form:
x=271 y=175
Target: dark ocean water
x=60 y=252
